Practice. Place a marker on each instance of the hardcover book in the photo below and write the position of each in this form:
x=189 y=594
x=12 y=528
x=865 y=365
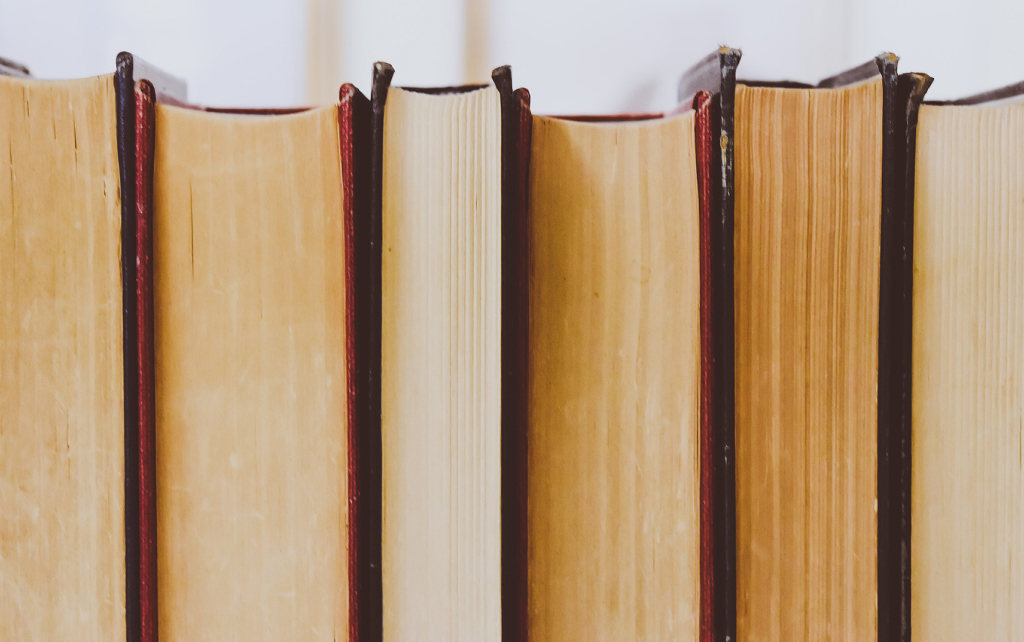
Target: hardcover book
x=812 y=311
x=449 y=205
x=619 y=493
x=69 y=396
x=253 y=233
x=965 y=513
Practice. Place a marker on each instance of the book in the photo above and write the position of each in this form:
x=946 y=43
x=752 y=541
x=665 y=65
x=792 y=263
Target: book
x=965 y=481
x=447 y=182
x=425 y=364
x=63 y=414
x=68 y=388
x=260 y=521
x=619 y=492
x=808 y=225
x=813 y=289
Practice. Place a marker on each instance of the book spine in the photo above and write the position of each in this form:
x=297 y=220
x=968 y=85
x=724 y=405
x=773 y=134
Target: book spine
x=512 y=354
x=890 y=318
x=724 y=355
x=354 y=123
x=145 y=98
x=910 y=92
x=704 y=140
x=371 y=610
x=517 y=132
x=124 y=89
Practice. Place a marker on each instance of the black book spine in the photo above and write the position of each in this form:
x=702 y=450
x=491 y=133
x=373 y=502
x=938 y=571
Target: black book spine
x=725 y=359
x=124 y=89
x=891 y=313
x=515 y=144
x=910 y=91
x=371 y=611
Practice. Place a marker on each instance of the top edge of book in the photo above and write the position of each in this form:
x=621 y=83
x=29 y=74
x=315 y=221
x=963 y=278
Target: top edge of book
x=1009 y=94
x=864 y=72
x=719 y=68
x=445 y=91
x=619 y=120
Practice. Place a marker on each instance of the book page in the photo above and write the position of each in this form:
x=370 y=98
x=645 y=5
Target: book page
x=441 y=366
x=807 y=248
x=251 y=434
x=62 y=557
x=614 y=381
x=967 y=526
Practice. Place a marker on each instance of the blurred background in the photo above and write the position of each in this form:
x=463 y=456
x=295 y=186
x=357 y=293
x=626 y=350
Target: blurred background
x=575 y=56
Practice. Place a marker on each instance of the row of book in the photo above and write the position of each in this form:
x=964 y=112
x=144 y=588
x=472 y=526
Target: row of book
x=424 y=365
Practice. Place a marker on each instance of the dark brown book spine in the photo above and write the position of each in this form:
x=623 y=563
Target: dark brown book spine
x=517 y=133
x=704 y=125
x=124 y=88
x=370 y=526
x=725 y=354
x=891 y=312
x=364 y=502
x=516 y=137
x=145 y=99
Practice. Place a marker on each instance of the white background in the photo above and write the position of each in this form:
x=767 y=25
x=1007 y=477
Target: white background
x=575 y=56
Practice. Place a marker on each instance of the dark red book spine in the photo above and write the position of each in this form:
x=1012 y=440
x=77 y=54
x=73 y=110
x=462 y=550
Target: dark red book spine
x=345 y=117
x=361 y=341
x=514 y=433
x=703 y=130
x=145 y=100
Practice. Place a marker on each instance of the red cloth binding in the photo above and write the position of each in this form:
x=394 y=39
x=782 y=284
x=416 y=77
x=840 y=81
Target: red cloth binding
x=145 y=120
x=704 y=132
